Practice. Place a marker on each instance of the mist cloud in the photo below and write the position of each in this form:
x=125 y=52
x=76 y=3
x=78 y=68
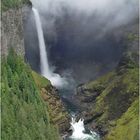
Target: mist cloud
x=82 y=35
x=118 y=12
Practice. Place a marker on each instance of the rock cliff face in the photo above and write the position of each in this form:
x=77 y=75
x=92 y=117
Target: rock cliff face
x=110 y=103
x=12 y=31
x=13 y=15
x=58 y=114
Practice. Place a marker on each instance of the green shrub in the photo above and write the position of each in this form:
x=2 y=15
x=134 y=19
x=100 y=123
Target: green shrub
x=7 y=4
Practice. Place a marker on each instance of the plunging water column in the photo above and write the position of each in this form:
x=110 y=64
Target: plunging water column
x=43 y=54
x=55 y=79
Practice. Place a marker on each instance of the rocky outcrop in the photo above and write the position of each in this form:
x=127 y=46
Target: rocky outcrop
x=12 y=31
x=57 y=112
x=12 y=26
x=104 y=112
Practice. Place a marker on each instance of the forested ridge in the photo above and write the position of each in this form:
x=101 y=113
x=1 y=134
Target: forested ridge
x=24 y=114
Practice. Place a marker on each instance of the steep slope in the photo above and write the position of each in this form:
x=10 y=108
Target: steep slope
x=110 y=103
x=12 y=25
x=24 y=114
x=127 y=127
x=58 y=114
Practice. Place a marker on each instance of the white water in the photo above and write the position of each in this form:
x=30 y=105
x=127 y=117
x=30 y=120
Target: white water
x=55 y=79
x=79 y=129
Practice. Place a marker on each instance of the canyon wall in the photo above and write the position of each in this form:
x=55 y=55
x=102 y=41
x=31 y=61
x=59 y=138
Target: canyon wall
x=13 y=17
x=110 y=103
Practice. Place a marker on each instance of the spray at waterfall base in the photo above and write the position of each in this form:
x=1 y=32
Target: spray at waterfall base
x=55 y=79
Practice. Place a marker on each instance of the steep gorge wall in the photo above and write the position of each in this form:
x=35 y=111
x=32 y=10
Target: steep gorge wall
x=13 y=37
x=12 y=31
x=110 y=103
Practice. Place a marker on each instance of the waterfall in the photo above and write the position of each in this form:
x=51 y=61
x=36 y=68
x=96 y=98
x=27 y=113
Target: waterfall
x=79 y=131
x=55 y=79
x=45 y=71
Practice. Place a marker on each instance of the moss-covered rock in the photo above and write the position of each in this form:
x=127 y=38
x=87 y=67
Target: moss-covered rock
x=113 y=112
x=127 y=127
x=58 y=114
x=117 y=96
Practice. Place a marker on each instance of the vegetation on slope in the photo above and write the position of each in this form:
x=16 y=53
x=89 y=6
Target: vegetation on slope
x=111 y=101
x=7 y=4
x=58 y=115
x=118 y=101
x=127 y=127
x=40 y=81
x=24 y=114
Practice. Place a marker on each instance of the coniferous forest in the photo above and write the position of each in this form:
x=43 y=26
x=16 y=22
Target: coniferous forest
x=24 y=113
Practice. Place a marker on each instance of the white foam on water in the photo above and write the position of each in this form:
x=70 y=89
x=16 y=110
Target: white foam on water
x=79 y=129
